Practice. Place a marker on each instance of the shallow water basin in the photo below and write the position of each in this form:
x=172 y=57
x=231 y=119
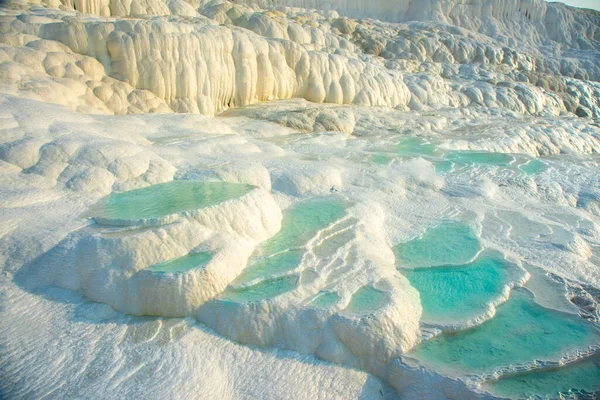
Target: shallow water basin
x=468 y=157
x=182 y=264
x=582 y=375
x=520 y=332
x=366 y=300
x=166 y=199
x=451 y=243
x=453 y=294
x=261 y=291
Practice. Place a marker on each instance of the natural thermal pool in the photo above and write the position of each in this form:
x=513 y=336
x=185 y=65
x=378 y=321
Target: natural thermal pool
x=366 y=300
x=520 y=332
x=294 y=199
x=182 y=264
x=274 y=264
x=452 y=294
x=451 y=243
x=283 y=252
x=302 y=221
x=581 y=377
x=416 y=147
x=166 y=199
x=466 y=157
x=263 y=290
x=325 y=300
x=533 y=166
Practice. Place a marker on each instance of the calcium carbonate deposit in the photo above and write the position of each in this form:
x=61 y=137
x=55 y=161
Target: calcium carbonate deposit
x=299 y=199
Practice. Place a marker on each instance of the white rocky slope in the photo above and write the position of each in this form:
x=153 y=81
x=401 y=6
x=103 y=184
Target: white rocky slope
x=528 y=57
x=517 y=79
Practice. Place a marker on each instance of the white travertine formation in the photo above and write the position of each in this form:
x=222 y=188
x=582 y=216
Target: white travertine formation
x=60 y=162
x=407 y=113
x=108 y=265
x=172 y=54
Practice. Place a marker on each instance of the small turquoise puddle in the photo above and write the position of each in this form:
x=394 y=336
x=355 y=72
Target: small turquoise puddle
x=416 y=147
x=441 y=167
x=271 y=265
x=283 y=252
x=407 y=148
x=325 y=300
x=453 y=294
x=583 y=375
x=261 y=291
x=520 y=332
x=533 y=166
x=381 y=159
x=479 y=157
x=182 y=264
x=336 y=240
x=366 y=300
x=166 y=199
x=452 y=243
x=302 y=221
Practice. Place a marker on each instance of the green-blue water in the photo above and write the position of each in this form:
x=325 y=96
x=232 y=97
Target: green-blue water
x=451 y=243
x=581 y=375
x=413 y=146
x=534 y=166
x=261 y=291
x=467 y=157
x=301 y=222
x=283 y=252
x=441 y=167
x=332 y=242
x=271 y=265
x=520 y=332
x=325 y=300
x=450 y=294
x=381 y=159
x=166 y=199
x=182 y=264
x=366 y=300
